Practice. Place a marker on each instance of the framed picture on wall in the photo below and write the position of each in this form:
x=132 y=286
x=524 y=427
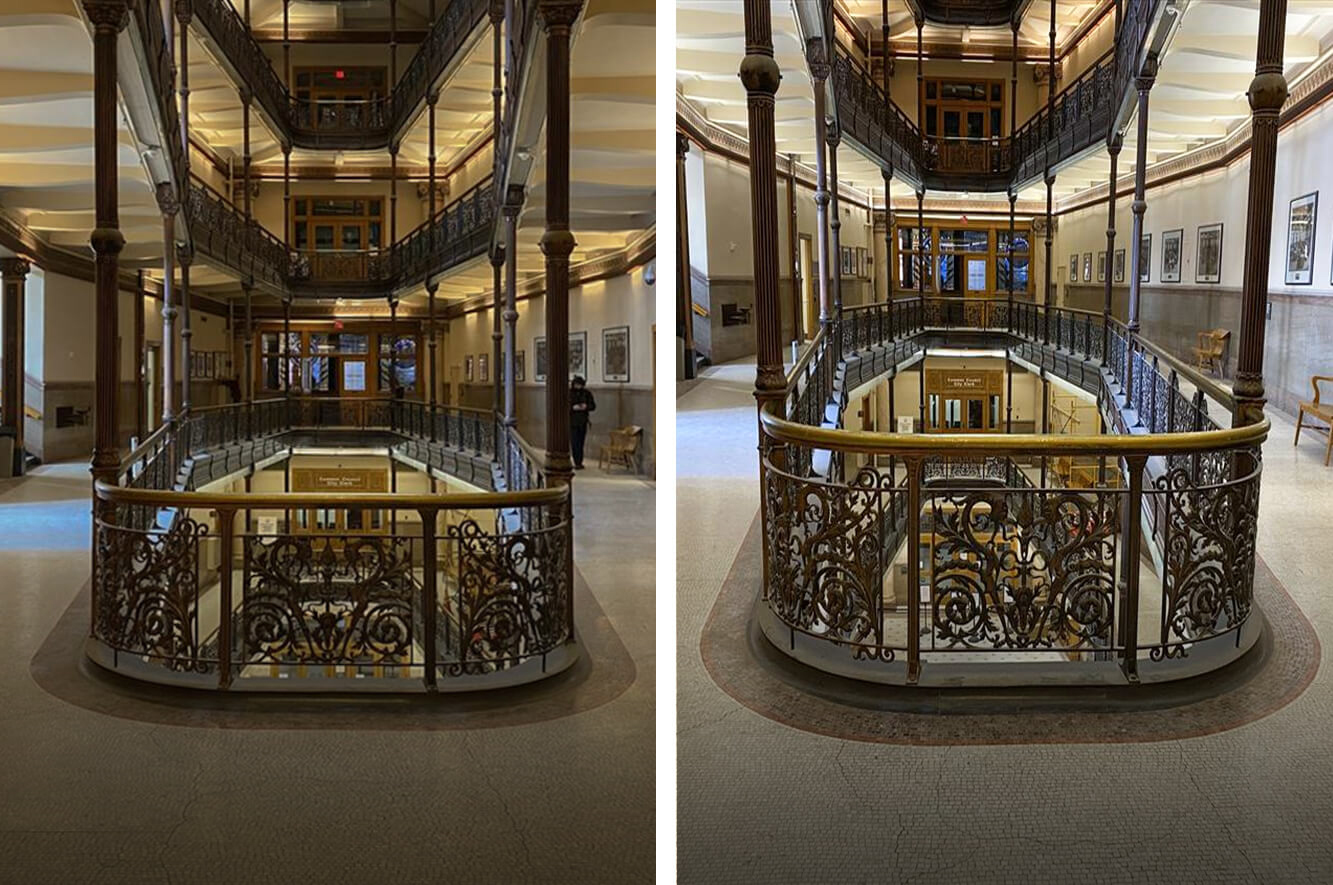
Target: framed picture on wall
x=520 y=366
x=578 y=354
x=615 y=354
x=1208 y=267
x=1087 y=267
x=467 y=368
x=1101 y=267
x=1119 y=266
x=1171 y=251
x=1145 y=258
x=1300 y=240
x=539 y=349
x=1073 y=268
x=484 y=368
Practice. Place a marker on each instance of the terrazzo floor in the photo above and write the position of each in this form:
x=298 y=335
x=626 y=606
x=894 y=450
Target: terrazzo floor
x=87 y=797
x=760 y=801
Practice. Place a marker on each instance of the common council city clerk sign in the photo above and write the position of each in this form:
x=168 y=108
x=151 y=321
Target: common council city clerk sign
x=339 y=479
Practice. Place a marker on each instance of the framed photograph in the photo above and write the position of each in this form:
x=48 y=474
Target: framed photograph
x=1208 y=267
x=539 y=349
x=1073 y=268
x=1171 y=251
x=578 y=354
x=1119 y=266
x=615 y=354
x=1145 y=258
x=484 y=368
x=467 y=368
x=1101 y=267
x=1087 y=267
x=1300 y=240
x=520 y=366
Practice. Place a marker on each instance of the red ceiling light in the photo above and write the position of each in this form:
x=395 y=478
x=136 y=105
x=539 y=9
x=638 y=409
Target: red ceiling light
x=339 y=73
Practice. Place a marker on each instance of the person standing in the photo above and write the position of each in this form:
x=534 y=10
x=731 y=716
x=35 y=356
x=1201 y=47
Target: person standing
x=581 y=404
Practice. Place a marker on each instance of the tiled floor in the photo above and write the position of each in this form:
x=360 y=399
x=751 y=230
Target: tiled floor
x=763 y=802
x=90 y=798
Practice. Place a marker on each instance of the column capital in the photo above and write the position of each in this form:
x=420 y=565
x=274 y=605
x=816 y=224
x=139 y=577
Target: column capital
x=184 y=11
x=107 y=15
x=682 y=144
x=14 y=267
x=556 y=14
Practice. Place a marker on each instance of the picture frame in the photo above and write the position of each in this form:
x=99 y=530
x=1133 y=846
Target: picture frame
x=1302 y=217
x=1087 y=267
x=1145 y=258
x=1073 y=268
x=1119 y=263
x=578 y=354
x=539 y=355
x=520 y=366
x=467 y=368
x=615 y=354
x=484 y=368
x=1208 y=257
x=1101 y=266
x=1172 y=250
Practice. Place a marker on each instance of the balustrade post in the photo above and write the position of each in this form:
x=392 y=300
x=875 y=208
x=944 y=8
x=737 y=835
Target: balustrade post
x=429 y=594
x=1267 y=93
x=1129 y=573
x=226 y=520
x=819 y=55
x=913 y=465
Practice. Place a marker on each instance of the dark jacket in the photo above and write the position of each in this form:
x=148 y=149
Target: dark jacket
x=580 y=417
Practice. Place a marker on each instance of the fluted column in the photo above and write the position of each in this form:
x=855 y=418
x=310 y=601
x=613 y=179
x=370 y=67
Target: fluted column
x=557 y=242
x=287 y=347
x=247 y=348
x=888 y=244
x=819 y=71
x=1268 y=91
x=513 y=203
x=684 y=296
x=185 y=257
x=921 y=249
x=760 y=76
x=835 y=225
x=107 y=17
x=166 y=202
x=432 y=346
x=1113 y=151
x=13 y=279
x=1013 y=200
x=1049 y=299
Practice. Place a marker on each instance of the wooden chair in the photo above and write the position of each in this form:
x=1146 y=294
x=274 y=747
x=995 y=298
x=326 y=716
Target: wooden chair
x=1320 y=411
x=623 y=448
x=1208 y=352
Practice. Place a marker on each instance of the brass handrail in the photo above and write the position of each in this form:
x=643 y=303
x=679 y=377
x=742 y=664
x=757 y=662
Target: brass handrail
x=869 y=442
x=292 y=501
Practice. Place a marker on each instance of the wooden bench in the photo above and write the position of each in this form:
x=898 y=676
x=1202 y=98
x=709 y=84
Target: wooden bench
x=623 y=448
x=1208 y=352
x=1320 y=411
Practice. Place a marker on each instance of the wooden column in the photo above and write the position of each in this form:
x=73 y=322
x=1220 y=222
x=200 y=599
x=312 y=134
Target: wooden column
x=166 y=202
x=512 y=204
x=107 y=17
x=557 y=16
x=1113 y=151
x=498 y=252
x=1049 y=300
x=1268 y=91
x=819 y=71
x=13 y=279
x=684 y=295
x=185 y=258
x=1143 y=83
x=140 y=355
x=760 y=75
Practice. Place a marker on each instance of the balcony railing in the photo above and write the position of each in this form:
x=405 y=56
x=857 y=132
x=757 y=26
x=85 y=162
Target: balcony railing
x=331 y=591
x=367 y=124
x=462 y=231
x=148 y=22
x=926 y=551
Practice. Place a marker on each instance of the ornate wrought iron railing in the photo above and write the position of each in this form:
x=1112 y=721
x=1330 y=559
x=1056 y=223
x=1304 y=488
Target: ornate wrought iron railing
x=1080 y=118
x=871 y=118
x=331 y=592
x=371 y=123
x=462 y=231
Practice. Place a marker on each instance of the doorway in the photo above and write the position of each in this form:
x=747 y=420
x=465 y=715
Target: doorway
x=964 y=400
x=152 y=381
x=809 y=314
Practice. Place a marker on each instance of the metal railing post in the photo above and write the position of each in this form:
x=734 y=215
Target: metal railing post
x=913 y=465
x=1129 y=614
x=429 y=595
x=227 y=535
